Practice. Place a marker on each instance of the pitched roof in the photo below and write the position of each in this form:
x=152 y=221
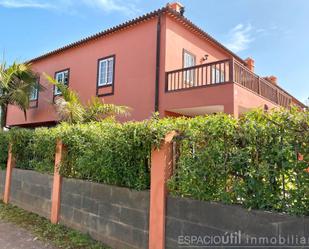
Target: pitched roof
x=138 y=20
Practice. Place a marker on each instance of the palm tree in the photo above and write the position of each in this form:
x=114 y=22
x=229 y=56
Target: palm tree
x=17 y=82
x=71 y=110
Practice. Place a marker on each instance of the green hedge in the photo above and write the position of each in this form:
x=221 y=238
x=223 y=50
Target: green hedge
x=34 y=149
x=109 y=152
x=251 y=161
x=4 y=144
x=106 y=152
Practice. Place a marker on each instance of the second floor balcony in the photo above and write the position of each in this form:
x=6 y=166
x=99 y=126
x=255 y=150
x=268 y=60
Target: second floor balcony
x=224 y=72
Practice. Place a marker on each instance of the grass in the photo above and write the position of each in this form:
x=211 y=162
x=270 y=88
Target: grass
x=57 y=235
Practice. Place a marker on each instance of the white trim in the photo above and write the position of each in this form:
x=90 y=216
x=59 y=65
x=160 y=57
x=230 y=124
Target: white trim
x=189 y=61
x=106 y=75
x=62 y=74
x=34 y=94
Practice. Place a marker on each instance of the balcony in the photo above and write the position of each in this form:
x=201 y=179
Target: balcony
x=223 y=72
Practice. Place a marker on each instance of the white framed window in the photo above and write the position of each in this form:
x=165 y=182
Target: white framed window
x=217 y=76
x=106 y=71
x=189 y=60
x=35 y=92
x=63 y=78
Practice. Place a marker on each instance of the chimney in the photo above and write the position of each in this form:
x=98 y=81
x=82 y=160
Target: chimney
x=272 y=79
x=250 y=63
x=176 y=6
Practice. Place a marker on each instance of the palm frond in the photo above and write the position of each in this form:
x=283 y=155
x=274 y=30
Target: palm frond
x=70 y=108
x=67 y=94
x=97 y=110
x=17 y=82
x=68 y=105
x=68 y=111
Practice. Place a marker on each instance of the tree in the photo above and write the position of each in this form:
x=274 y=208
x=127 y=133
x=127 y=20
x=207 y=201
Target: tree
x=70 y=109
x=17 y=83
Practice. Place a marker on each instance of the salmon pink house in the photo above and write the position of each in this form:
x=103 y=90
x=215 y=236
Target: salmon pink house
x=161 y=62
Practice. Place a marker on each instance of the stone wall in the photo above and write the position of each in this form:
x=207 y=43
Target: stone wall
x=119 y=217
x=197 y=219
x=116 y=216
x=31 y=191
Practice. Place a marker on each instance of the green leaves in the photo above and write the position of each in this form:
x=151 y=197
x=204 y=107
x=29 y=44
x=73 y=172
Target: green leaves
x=71 y=110
x=97 y=110
x=4 y=145
x=108 y=152
x=34 y=149
x=17 y=82
x=251 y=161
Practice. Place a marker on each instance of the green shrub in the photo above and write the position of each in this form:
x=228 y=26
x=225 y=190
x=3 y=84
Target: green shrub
x=109 y=152
x=34 y=149
x=43 y=150
x=251 y=161
x=21 y=139
x=4 y=145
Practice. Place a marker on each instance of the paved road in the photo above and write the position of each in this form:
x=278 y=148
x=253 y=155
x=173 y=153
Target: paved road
x=13 y=237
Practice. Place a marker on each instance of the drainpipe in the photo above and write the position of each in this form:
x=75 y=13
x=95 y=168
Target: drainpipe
x=158 y=53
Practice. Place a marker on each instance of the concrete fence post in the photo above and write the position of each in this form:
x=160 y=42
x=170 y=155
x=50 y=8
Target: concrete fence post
x=161 y=171
x=8 y=178
x=57 y=182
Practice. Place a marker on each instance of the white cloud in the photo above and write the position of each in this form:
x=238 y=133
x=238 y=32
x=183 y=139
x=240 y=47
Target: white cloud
x=24 y=4
x=239 y=37
x=125 y=7
x=113 y=5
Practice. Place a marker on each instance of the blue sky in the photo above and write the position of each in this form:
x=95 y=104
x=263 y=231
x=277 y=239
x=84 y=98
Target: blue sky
x=274 y=32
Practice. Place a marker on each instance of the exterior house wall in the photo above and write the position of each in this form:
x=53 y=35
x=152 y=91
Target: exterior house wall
x=244 y=100
x=197 y=97
x=177 y=38
x=234 y=98
x=135 y=51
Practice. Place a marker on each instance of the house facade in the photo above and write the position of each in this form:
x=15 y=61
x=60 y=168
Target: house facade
x=160 y=62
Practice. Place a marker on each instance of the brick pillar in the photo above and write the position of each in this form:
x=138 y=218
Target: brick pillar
x=161 y=171
x=9 y=168
x=250 y=64
x=57 y=182
x=300 y=157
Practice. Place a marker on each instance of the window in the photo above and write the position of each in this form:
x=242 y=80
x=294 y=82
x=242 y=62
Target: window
x=217 y=76
x=34 y=94
x=188 y=61
x=63 y=78
x=106 y=71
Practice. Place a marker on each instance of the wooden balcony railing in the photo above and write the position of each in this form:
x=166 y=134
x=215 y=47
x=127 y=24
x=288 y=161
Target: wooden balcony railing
x=225 y=71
